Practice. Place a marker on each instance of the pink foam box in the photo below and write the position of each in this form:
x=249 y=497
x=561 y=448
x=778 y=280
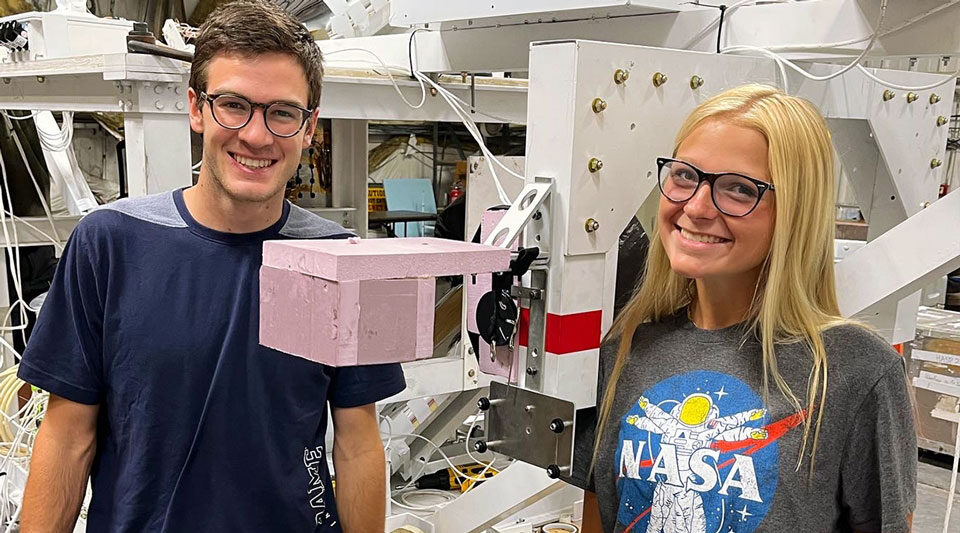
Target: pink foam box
x=360 y=302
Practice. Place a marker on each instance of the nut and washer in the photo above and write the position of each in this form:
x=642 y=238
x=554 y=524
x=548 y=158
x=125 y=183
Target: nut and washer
x=941 y=120
x=620 y=76
x=888 y=95
x=934 y=163
x=591 y=225
x=598 y=105
x=594 y=164
x=696 y=82
x=912 y=97
x=659 y=79
x=934 y=98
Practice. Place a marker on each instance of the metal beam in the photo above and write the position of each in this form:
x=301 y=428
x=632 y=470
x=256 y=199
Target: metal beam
x=902 y=260
x=514 y=488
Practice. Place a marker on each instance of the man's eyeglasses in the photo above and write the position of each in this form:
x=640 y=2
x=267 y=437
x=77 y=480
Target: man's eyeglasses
x=234 y=112
x=735 y=195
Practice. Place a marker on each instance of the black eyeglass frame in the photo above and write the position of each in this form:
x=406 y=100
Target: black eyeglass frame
x=711 y=178
x=253 y=105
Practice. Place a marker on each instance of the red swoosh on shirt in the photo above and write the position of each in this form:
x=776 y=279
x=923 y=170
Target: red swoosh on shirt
x=775 y=430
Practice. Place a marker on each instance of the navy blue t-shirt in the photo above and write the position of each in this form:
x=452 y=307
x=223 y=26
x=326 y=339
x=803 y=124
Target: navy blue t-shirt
x=155 y=318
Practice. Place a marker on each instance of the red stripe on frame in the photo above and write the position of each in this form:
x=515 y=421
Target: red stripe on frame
x=565 y=333
x=523 y=327
x=573 y=333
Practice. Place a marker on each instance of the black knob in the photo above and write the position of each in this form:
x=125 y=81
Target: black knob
x=553 y=471
x=483 y=403
x=531 y=371
x=480 y=446
x=556 y=425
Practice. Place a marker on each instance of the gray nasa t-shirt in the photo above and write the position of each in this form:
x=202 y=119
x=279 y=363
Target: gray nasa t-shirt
x=691 y=448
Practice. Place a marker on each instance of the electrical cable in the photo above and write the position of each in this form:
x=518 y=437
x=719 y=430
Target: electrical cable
x=423 y=90
x=453 y=102
x=36 y=184
x=723 y=9
x=853 y=64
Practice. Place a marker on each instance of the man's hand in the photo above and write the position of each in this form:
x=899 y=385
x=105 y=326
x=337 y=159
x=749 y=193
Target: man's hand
x=360 y=469
x=62 y=455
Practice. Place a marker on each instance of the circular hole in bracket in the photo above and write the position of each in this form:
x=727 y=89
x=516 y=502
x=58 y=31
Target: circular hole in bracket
x=528 y=199
x=633 y=126
x=501 y=235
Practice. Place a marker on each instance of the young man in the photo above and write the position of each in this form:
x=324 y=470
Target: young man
x=148 y=345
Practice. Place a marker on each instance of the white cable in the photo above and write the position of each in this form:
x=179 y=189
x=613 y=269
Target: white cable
x=475 y=133
x=12 y=117
x=918 y=18
x=446 y=458
x=872 y=76
x=423 y=90
x=465 y=116
x=36 y=184
x=452 y=100
x=854 y=63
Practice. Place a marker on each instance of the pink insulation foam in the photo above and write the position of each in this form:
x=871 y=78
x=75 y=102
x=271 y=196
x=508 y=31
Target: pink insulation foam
x=347 y=323
x=359 y=302
x=342 y=260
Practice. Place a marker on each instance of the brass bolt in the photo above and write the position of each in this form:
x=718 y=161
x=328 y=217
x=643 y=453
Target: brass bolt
x=594 y=164
x=934 y=98
x=659 y=79
x=696 y=82
x=934 y=163
x=41 y=79
x=620 y=76
x=591 y=225
x=941 y=120
x=912 y=97
x=888 y=95
x=598 y=105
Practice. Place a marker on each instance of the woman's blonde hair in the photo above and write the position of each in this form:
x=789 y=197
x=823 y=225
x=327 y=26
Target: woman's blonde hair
x=795 y=298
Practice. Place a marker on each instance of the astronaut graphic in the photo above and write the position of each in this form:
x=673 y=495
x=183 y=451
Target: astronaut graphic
x=697 y=454
x=691 y=425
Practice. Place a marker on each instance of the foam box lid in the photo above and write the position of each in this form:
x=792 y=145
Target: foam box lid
x=352 y=260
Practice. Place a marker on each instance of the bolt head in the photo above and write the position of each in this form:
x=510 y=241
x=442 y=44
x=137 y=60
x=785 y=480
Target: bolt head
x=591 y=225
x=934 y=98
x=594 y=164
x=531 y=371
x=620 y=76
x=659 y=79
x=941 y=120
x=598 y=105
x=696 y=82
x=888 y=95
x=471 y=372
x=934 y=163
x=912 y=97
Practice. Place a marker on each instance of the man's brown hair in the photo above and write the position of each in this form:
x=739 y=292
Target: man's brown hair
x=251 y=28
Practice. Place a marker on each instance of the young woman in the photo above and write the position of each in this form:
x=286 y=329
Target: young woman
x=733 y=396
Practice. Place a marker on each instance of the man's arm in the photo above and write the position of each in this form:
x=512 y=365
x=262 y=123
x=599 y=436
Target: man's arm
x=62 y=455
x=360 y=469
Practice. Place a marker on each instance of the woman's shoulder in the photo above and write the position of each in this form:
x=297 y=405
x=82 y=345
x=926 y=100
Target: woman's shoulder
x=856 y=350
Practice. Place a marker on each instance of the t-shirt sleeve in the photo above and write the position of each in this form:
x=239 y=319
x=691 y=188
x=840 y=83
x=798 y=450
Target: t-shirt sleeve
x=64 y=352
x=586 y=426
x=879 y=468
x=353 y=386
